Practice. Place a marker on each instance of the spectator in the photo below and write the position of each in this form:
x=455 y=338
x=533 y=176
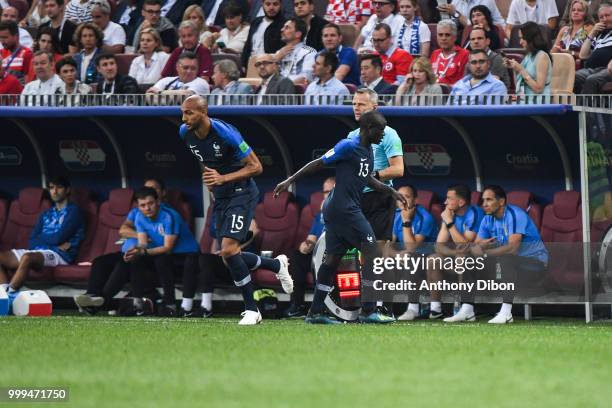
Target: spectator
x=348 y=70
x=479 y=40
x=64 y=29
x=55 y=239
x=272 y=83
x=67 y=70
x=572 y=35
x=9 y=84
x=187 y=82
x=414 y=35
x=265 y=32
x=296 y=59
x=231 y=39
x=11 y=14
x=326 y=89
x=89 y=39
x=148 y=66
x=534 y=74
x=301 y=259
x=225 y=77
x=114 y=35
x=371 y=78
x=384 y=13
x=304 y=10
x=460 y=10
x=110 y=82
x=480 y=17
x=508 y=241
x=597 y=53
x=79 y=11
x=479 y=82
x=355 y=12
x=128 y=14
x=460 y=224
x=258 y=9
x=188 y=33
x=396 y=61
x=214 y=10
x=36 y=15
x=415 y=228
x=542 y=12
x=47 y=41
x=17 y=58
x=592 y=11
x=151 y=11
x=420 y=81
x=449 y=60
x=46 y=84
x=175 y=10
x=194 y=14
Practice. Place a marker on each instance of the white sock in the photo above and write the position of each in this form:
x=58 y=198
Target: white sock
x=414 y=307
x=187 y=304
x=379 y=303
x=207 y=301
x=506 y=309
x=436 y=307
x=467 y=309
x=5 y=286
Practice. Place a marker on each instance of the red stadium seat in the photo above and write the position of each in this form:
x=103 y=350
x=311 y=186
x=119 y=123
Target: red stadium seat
x=277 y=219
x=3 y=213
x=307 y=216
x=429 y=200
x=476 y=198
x=124 y=61
x=177 y=200
x=351 y=87
x=526 y=201
x=22 y=217
x=562 y=224
x=74 y=273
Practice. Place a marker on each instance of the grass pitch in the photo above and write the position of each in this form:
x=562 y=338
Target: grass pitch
x=142 y=362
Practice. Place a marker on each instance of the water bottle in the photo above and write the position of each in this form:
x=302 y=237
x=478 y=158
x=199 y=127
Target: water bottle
x=498 y=271
x=456 y=307
x=424 y=310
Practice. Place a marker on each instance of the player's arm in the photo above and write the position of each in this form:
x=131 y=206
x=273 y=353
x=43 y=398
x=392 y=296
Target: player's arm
x=512 y=247
x=311 y=167
x=127 y=230
x=442 y=240
x=251 y=167
x=166 y=248
x=395 y=169
x=385 y=189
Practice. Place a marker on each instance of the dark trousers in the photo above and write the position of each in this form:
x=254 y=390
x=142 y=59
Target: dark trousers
x=300 y=266
x=109 y=274
x=213 y=270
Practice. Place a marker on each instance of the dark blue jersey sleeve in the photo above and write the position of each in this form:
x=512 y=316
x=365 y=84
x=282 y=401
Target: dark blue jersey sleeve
x=233 y=137
x=339 y=152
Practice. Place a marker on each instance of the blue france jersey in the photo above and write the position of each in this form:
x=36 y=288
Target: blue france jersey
x=515 y=221
x=422 y=224
x=353 y=167
x=167 y=222
x=390 y=146
x=318 y=224
x=223 y=149
x=470 y=221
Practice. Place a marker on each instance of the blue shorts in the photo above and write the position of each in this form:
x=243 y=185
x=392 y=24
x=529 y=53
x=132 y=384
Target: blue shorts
x=347 y=233
x=233 y=215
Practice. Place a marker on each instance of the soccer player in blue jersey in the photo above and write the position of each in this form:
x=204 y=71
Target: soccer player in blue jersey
x=346 y=226
x=511 y=244
x=460 y=223
x=229 y=165
x=55 y=239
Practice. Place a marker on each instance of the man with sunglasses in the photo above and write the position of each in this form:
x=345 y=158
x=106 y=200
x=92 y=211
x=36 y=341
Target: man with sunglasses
x=151 y=12
x=480 y=82
x=272 y=82
x=384 y=12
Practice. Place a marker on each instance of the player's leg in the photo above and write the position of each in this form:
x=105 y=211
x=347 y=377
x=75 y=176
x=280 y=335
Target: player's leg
x=300 y=267
x=190 y=283
x=435 y=275
x=278 y=265
x=508 y=265
x=212 y=269
x=29 y=260
x=325 y=283
x=164 y=266
x=8 y=261
x=466 y=312
x=102 y=269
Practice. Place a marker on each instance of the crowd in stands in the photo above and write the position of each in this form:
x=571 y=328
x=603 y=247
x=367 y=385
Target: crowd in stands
x=228 y=47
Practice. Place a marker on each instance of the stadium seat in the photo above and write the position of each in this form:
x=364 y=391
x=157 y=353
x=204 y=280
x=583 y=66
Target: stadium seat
x=429 y=200
x=564 y=73
x=277 y=219
x=307 y=216
x=526 y=201
x=177 y=200
x=3 y=209
x=476 y=198
x=124 y=61
x=562 y=225
x=349 y=34
x=351 y=87
x=22 y=217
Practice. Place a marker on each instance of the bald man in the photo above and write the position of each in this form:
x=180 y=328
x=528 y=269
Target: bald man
x=229 y=165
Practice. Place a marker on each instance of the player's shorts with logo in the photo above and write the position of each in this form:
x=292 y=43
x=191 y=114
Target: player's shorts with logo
x=51 y=258
x=346 y=233
x=234 y=214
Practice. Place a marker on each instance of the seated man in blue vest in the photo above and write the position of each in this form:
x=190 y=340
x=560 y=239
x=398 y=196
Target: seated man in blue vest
x=416 y=229
x=511 y=245
x=460 y=223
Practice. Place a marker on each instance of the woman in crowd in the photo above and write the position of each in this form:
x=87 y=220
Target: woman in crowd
x=414 y=36
x=195 y=14
x=420 y=81
x=572 y=35
x=480 y=16
x=534 y=74
x=232 y=38
x=46 y=40
x=88 y=38
x=147 y=67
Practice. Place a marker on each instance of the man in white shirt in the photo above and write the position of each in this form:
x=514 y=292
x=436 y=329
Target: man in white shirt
x=186 y=83
x=543 y=12
x=296 y=59
x=460 y=10
x=327 y=89
x=36 y=93
x=384 y=12
x=12 y=14
x=114 y=35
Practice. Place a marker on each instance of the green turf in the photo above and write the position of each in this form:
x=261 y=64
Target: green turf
x=138 y=362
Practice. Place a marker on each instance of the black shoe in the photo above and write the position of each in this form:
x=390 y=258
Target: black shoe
x=294 y=311
x=200 y=312
x=143 y=306
x=167 y=311
x=321 y=318
x=435 y=315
